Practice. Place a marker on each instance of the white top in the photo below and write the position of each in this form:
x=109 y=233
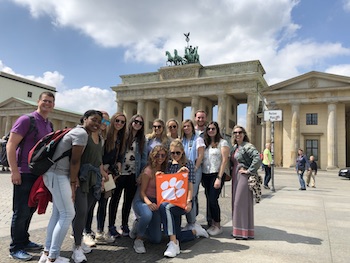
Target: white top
x=212 y=158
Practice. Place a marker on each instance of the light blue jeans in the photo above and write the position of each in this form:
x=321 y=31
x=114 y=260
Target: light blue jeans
x=148 y=222
x=301 y=179
x=63 y=211
x=191 y=216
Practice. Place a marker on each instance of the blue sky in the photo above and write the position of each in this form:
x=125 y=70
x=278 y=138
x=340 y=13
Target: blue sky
x=81 y=47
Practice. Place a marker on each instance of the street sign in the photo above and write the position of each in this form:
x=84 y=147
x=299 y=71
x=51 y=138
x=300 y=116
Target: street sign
x=273 y=115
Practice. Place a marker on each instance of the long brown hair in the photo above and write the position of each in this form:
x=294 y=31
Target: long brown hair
x=217 y=138
x=140 y=135
x=115 y=137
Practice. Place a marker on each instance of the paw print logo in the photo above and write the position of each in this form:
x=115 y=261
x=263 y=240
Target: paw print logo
x=172 y=189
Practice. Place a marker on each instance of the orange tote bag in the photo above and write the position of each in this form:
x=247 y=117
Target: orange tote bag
x=172 y=188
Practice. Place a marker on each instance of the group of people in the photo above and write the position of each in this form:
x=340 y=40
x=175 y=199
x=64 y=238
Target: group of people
x=115 y=148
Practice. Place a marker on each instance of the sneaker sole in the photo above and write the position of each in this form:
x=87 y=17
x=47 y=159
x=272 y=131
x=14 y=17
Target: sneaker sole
x=20 y=258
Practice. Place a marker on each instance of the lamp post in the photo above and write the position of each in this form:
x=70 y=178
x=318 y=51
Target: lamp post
x=272 y=116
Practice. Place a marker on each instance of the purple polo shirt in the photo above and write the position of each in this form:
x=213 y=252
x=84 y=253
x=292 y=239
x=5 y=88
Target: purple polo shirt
x=21 y=126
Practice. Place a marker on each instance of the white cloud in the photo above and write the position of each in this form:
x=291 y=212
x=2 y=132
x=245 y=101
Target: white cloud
x=346 y=5
x=225 y=31
x=75 y=100
x=86 y=98
x=339 y=70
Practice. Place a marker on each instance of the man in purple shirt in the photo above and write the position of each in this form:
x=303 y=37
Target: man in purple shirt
x=22 y=139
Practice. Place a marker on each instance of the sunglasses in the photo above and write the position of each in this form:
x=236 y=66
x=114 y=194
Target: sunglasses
x=211 y=129
x=172 y=127
x=176 y=153
x=121 y=121
x=157 y=126
x=162 y=155
x=238 y=132
x=138 y=122
x=106 y=122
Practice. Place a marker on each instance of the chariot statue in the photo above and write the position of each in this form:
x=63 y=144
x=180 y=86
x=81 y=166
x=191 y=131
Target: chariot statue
x=191 y=55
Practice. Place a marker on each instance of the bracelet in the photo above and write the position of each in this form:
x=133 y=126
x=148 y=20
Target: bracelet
x=218 y=177
x=189 y=201
x=73 y=182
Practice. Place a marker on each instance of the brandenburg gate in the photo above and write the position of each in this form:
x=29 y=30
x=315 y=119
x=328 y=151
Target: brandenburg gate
x=165 y=93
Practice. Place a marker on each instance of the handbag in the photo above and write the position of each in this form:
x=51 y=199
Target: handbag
x=227 y=177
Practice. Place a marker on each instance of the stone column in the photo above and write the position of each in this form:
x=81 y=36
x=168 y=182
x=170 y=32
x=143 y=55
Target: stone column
x=194 y=106
x=295 y=134
x=141 y=107
x=331 y=137
x=263 y=135
x=120 y=107
x=7 y=125
x=222 y=99
x=251 y=116
x=163 y=109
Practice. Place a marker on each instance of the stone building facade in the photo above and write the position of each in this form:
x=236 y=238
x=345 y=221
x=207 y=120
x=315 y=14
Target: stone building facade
x=19 y=96
x=165 y=93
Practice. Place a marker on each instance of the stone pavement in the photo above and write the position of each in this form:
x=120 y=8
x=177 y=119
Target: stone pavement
x=290 y=226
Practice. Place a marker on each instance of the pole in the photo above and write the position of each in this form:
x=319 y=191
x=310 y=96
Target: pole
x=272 y=155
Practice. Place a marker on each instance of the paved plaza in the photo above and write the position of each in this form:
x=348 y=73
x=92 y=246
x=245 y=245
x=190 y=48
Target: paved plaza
x=290 y=226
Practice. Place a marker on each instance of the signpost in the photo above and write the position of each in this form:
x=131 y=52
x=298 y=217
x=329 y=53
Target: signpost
x=272 y=116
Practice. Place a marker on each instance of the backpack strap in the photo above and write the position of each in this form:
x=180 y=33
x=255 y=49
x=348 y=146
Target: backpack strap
x=32 y=128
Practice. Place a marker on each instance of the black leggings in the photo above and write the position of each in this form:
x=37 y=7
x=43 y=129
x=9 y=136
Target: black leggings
x=128 y=183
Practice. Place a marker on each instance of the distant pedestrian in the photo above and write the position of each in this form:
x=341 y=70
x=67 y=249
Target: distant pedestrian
x=312 y=172
x=267 y=160
x=302 y=164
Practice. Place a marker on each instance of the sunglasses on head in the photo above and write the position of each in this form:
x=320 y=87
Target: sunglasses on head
x=237 y=132
x=172 y=127
x=121 y=121
x=176 y=153
x=106 y=122
x=160 y=155
x=138 y=122
x=157 y=126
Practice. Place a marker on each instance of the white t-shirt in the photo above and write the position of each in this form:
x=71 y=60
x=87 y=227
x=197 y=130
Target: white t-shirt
x=77 y=136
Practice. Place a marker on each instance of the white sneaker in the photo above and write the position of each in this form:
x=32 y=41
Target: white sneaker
x=133 y=231
x=200 y=231
x=215 y=231
x=173 y=249
x=44 y=258
x=139 y=246
x=103 y=238
x=108 y=238
x=189 y=226
x=86 y=249
x=88 y=239
x=78 y=255
x=58 y=260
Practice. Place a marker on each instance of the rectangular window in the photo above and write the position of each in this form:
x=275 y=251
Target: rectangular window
x=311 y=119
x=312 y=148
x=29 y=94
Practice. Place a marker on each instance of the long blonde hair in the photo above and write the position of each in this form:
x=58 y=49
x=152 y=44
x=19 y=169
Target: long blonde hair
x=164 y=138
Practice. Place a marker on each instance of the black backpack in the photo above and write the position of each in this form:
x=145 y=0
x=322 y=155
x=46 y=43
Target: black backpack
x=40 y=156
